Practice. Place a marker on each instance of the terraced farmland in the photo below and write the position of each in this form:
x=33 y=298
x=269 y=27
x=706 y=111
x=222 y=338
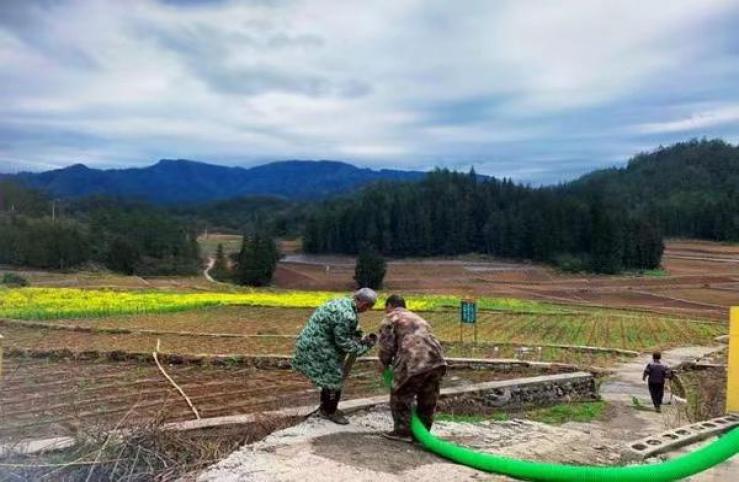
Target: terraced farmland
x=59 y=397
x=60 y=393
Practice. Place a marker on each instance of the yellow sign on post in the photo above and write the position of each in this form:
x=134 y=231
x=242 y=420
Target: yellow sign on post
x=732 y=375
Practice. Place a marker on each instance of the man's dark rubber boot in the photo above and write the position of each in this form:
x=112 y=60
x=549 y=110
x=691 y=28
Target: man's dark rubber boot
x=398 y=436
x=336 y=417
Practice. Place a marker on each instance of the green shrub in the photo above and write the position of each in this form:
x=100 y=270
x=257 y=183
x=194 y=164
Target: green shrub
x=370 y=269
x=257 y=260
x=220 y=270
x=571 y=263
x=13 y=279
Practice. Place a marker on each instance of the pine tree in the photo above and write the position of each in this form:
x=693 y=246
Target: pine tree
x=607 y=250
x=370 y=269
x=451 y=213
x=257 y=260
x=649 y=245
x=122 y=256
x=220 y=270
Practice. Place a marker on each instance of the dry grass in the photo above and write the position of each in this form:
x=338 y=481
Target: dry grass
x=140 y=453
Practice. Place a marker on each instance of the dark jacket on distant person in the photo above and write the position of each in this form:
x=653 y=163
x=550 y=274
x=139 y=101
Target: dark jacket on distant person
x=657 y=373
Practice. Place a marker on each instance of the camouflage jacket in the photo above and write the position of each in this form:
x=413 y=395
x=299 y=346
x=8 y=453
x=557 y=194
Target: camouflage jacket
x=407 y=344
x=330 y=334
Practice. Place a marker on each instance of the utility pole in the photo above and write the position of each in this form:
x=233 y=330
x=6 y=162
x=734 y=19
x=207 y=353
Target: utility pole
x=732 y=369
x=53 y=210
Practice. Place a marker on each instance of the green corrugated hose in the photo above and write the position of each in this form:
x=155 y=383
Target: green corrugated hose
x=674 y=469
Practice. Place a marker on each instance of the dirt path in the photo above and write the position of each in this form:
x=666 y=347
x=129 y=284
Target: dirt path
x=703 y=258
x=208 y=266
x=626 y=383
x=625 y=421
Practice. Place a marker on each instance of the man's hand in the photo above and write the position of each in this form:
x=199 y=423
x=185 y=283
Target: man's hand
x=370 y=340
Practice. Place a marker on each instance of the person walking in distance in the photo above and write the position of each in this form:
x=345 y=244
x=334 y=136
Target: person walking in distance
x=655 y=374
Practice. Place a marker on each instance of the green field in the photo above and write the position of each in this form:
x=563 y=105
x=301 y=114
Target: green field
x=55 y=303
x=558 y=414
x=602 y=328
x=260 y=322
x=242 y=329
x=208 y=245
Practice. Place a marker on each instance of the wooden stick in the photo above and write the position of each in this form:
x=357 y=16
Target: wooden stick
x=182 y=392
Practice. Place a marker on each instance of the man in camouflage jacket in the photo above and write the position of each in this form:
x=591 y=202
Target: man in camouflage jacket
x=416 y=356
x=321 y=348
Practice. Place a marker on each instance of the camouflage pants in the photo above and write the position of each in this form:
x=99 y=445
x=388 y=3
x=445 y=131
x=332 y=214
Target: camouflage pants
x=425 y=388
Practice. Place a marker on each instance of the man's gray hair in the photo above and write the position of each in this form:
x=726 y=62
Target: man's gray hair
x=367 y=295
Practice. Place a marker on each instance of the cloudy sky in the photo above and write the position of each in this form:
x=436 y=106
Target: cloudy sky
x=540 y=91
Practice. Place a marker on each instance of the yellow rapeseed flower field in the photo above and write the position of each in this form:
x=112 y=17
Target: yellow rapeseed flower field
x=51 y=303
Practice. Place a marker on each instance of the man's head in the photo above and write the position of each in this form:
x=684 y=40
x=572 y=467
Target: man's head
x=394 y=301
x=365 y=299
x=656 y=356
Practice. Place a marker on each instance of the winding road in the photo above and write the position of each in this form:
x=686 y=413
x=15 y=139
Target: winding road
x=208 y=266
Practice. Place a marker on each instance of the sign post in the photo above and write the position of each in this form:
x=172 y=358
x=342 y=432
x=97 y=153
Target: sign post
x=732 y=371
x=468 y=316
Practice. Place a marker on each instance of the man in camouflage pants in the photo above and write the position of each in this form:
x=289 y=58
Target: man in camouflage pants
x=329 y=336
x=406 y=344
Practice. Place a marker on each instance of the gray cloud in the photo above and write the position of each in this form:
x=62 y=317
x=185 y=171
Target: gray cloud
x=535 y=90
x=208 y=52
x=31 y=23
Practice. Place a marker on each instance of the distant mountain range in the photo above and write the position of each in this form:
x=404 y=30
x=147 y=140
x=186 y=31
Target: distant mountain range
x=183 y=181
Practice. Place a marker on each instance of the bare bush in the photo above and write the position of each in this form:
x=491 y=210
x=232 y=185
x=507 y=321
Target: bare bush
x=142 y=453
x=705 y=391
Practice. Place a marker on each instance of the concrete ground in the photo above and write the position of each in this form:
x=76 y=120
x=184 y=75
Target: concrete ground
x=626 y=384
x=317 y=450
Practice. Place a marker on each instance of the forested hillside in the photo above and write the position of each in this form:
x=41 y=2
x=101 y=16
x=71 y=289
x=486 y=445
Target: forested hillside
x=607 y=221
x=126 y=237
x=690 y=189
x=452 y=213
x=248 y=214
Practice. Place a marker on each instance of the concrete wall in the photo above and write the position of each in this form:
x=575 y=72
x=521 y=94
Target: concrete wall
x=520 y=393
